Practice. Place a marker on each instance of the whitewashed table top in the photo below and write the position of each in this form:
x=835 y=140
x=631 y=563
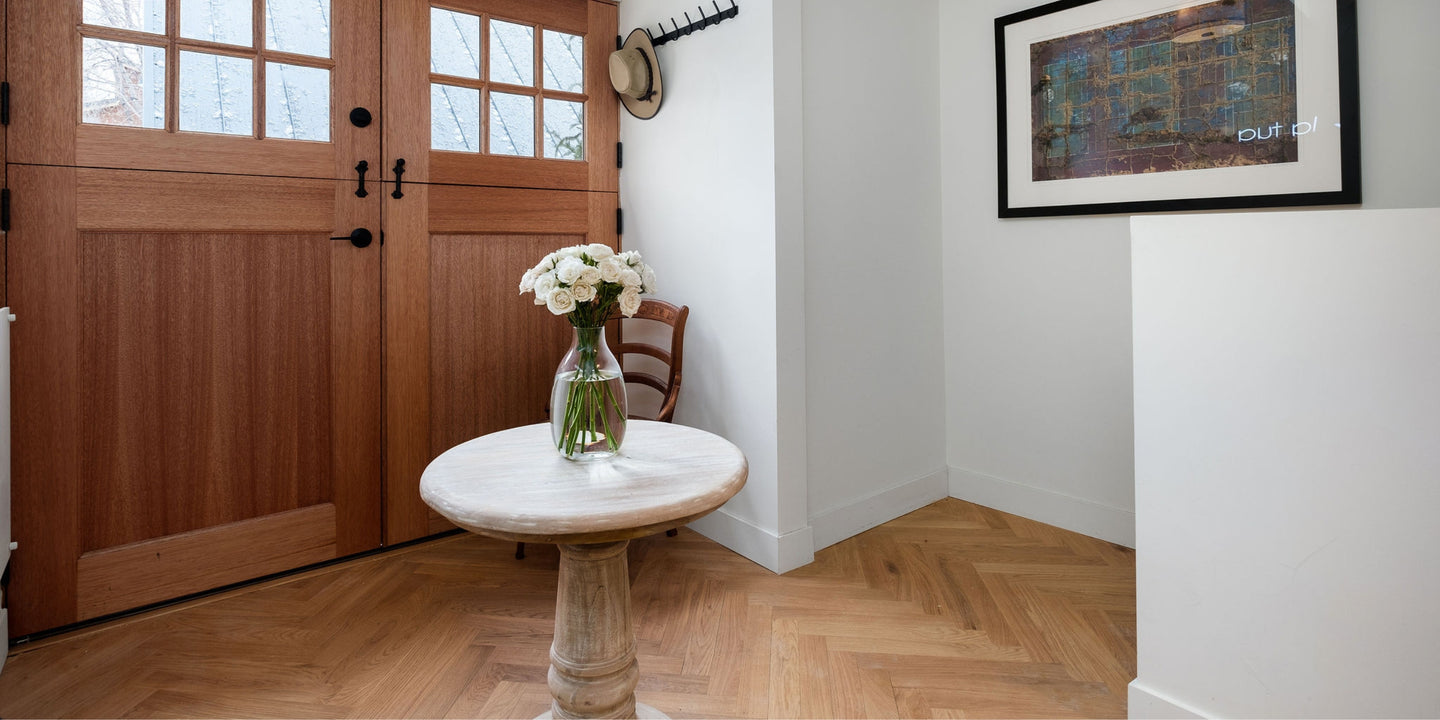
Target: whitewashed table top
x=514 y=485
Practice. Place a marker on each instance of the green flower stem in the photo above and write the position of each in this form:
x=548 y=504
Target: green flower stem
x=588 y=399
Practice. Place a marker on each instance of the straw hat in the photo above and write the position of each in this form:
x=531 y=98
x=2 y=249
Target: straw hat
x=635 y=74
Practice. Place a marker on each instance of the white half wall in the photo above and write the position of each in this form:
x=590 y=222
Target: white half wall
x=873 y=328
x=1038 y=311
x=699 y=191
x=1287 y=410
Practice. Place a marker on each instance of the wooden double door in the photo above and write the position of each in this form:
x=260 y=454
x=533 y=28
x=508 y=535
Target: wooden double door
x=264 y=257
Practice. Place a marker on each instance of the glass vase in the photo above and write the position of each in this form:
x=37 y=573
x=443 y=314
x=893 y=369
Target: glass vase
x=587 y=401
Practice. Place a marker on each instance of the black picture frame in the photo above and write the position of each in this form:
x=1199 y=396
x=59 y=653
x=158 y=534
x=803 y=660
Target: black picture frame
x=1317 y=166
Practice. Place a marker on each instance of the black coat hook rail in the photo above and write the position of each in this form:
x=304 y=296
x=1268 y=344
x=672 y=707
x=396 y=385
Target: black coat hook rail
x=692 y=26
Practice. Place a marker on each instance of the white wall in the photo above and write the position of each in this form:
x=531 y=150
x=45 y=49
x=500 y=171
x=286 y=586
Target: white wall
x=1287 y=408
x=1037 y=311
x=699 y=191
x=875 y=382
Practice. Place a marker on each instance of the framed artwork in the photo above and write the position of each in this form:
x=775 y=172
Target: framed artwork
x=1125 y=106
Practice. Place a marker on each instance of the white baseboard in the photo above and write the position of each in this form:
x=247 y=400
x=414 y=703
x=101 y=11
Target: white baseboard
x=1147 y=704
x=1086 y=517
x=836 y=524
x=776 y=553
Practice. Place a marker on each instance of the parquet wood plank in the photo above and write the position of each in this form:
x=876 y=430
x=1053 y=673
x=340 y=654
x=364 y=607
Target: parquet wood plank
x=955 y=610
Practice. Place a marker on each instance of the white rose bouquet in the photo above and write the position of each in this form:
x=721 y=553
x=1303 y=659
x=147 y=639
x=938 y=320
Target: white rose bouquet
x=587 y=283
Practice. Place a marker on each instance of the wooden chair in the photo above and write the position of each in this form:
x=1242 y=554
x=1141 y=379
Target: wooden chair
x=669 y=386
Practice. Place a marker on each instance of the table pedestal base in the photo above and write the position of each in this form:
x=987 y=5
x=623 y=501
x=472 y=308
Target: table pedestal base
x=593 y=670
x=642 y=711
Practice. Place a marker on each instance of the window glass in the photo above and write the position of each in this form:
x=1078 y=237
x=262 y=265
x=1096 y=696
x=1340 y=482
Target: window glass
x=222 y=21
x=297 y=102
x=454 y=43
x=298 y=26
x=564 y=129
x=512 y=124
x=512 y=53
x=216 y=93
x=143 y=15
x=123 y=84
x=454 y=118
x=564 y=65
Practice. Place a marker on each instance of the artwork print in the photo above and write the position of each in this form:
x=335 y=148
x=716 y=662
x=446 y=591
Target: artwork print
x=1207 y=86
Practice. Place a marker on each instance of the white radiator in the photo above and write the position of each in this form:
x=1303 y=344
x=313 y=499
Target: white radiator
x=5 y=319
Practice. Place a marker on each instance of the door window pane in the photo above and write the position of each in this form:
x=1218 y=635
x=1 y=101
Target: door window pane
x=216 y=93
x=297 y=102
x=454 y=43
x=512 y=53
x=564 y=129
x=512 y=124
x=454 y=118
x=564 y=61
x=142 y=15
x=222 y=21
x=124 y=84
x=298 y=26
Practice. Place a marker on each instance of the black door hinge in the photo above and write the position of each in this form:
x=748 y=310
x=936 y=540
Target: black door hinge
x=4 y=103
x=5 y=210
x=619 y=221
x=619 y=154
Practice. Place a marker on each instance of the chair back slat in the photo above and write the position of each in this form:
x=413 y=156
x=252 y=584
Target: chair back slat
x=674 y=316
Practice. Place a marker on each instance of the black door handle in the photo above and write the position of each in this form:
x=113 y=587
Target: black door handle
x=359 y=237
x=399 y=170
x=360 y=169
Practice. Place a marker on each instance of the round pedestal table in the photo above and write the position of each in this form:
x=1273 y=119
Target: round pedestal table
x=513 y=485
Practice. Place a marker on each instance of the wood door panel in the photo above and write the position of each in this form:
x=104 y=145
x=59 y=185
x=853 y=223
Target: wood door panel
x=153 y=570
x=204 y=392
x=105 y=146
x=173 y=382
x=44 y=374
x=478 y=385
x=143 y=200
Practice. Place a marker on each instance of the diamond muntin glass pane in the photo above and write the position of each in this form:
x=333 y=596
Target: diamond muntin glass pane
x=122 y=84
x=454 y=43
x=512 y=53
x=564 y=61
x=298 y=26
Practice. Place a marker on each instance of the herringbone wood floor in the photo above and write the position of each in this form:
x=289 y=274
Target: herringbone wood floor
x=954 y=610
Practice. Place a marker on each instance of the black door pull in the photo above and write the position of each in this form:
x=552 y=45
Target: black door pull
x=399 y=170
x=359 y=237
x=360 y=169
x=360 y=117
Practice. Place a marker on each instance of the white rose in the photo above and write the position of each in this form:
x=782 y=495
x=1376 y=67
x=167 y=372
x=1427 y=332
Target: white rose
x=629 y=301
x=610 y=269
x=574 y=251
x=527 y=281
x=647 y=276
x=560 y=302
x=547 y=264
x=583 y=292
x=598 y=251
x=544 y=285
x=569 y=270
x=590 y=275
x=629 y=257
x=630 y=279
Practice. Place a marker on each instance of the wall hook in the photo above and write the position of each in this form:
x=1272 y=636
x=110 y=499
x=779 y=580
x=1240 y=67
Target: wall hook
x=693 y=26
